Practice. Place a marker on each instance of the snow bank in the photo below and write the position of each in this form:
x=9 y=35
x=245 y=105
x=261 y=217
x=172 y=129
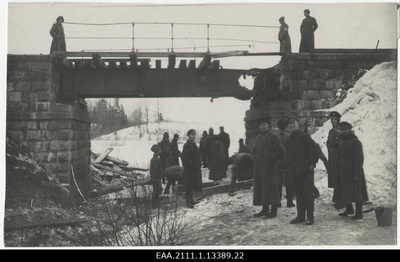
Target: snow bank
x=371 y=108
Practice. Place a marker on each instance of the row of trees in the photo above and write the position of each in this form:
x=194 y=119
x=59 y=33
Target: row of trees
x=110 y=116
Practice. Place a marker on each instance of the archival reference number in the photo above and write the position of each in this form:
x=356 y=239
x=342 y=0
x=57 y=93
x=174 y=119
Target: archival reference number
x=200 y=255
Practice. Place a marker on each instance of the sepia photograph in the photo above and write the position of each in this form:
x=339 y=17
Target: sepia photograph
x=178 y=125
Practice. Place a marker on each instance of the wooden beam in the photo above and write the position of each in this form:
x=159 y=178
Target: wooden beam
x=205 y=63
x=113 y=159
x=98 y=62
x=103 y=155
x=171 y=61
x=120 y=172
x=42 y=223
x=192 y=64
x=182 y=64
x=214 y=65
x=224 y=188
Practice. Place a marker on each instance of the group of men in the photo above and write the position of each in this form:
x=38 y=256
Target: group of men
x=307 y=29
x=214 y=153
x=291 y=155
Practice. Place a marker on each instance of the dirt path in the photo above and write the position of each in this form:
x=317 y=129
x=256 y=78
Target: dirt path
x=224 y=220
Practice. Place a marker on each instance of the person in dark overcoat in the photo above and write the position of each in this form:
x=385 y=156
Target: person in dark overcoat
x=351 y=184
x=332 y=145
x=209 y=141
x=226 y=141
x=166 y=153
x=266 y=153
x=217 y=159
x=175 y=150
x=285 y=177
x=203 y=149
x=283 y=37
x=243 y=148
x=192 y=180
x=156 y=173
x=303 y=154
x=307 y=29
x=57 y=32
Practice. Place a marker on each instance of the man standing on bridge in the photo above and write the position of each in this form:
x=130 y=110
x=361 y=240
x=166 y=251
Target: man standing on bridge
x=226 y=141
x=57 y=32
x=284 y=38
x=307 y=29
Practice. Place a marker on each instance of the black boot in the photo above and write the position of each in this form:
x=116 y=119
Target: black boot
x=273 y=213
x=297 y=220
x=264 y=212
x=310 y=218
x=358 y=214
x=349 y=211
x=316 y=192
x=289 y=197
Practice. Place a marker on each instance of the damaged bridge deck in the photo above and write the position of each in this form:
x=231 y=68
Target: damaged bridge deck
x=126 y=75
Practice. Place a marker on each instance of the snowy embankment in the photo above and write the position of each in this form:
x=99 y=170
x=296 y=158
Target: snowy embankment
x=371 y=108
x=133 y=144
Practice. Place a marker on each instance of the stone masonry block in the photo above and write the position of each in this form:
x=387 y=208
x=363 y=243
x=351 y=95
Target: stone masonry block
x=45 y=124
x=311 y=94
x=22 y=86
x=41 y=156
x=10 y=86
x=61 y=124
x=296 y=94
x=39 y=76
x=297 y=65
x=23 y=107
x=49 y=135
x=295 y=75
x=67 y=135
x=316 y=84
x=309 y=74
x=333 y=84
x=32 y=124
x=41 y=86
x=41 y=66
x=46 y=96
x=60 y=166
x=298 y=84
x=17 y=135
x=64 y=156
x=63 y=178
x=67 y=145
x=39 y=146
x=54 y=145
x=326 y=94
x=315 y=104
x=34 y=135
x=14 y=96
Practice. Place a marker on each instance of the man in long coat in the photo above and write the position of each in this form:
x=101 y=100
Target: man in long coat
x=266 y=153
x=218 y=161
x=57 y=32
x=307 y=29
x=332 y=145
x=209 y=140
x=203 y=149
x=284 y=37
x=285 y=177
x=226 y=141
x=192 y=180
x=351 y=186
x=303 y=154
x=175 y=150
x=166 y=153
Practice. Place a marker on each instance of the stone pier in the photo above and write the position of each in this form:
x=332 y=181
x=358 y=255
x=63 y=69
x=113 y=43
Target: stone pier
x=56 y=132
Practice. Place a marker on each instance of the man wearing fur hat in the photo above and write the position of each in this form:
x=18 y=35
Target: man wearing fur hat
x=303 y=154
x=57 y=32
x=267 y=152
x=351 y=185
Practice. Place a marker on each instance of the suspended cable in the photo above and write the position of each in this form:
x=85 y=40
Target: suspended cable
x=164 y=23
x=166 y=48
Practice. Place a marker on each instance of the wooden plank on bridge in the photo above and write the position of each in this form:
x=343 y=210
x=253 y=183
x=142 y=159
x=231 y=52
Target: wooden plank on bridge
x=103 y=155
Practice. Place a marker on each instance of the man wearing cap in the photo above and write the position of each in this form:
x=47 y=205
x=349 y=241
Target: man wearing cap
x=284 y=38
x=192 y=180
x=266 y=153
x=303 y=154
x=351 y=185
x=156 y=173
x=307 y=29
x=226 y=141
x=57 y=32
x=332 y=145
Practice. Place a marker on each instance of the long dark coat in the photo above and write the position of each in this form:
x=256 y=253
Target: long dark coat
x=266 y=153
x=218 y=160
x=333 y=164
x=203 y=149
x=283 y=136
x=307 y=29
x=226 y=141
x=192 y=180
x=351 y=185
x=284 y=39
x=175 y=151
x=58 y=43
x=166 y=154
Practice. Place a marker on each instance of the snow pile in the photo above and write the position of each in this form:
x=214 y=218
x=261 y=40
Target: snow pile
x=371 y=108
